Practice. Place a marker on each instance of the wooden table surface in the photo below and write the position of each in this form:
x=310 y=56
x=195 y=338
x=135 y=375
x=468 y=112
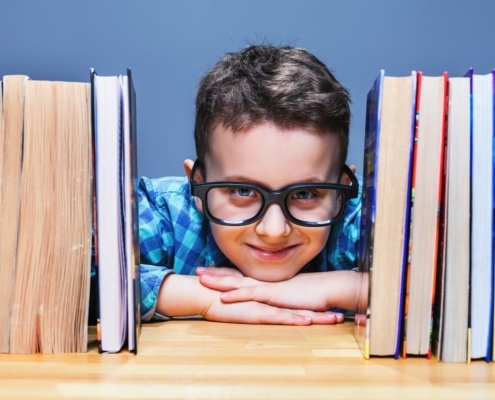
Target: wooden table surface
x=200 y=359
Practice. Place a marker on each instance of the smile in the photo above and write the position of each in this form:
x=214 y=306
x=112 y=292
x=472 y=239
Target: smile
x=272 y=254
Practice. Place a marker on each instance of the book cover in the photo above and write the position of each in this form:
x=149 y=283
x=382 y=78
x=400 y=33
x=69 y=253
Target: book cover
x=491 y=346
x=117 y=250
x=437 y=295
x=419 y=77
x=13 y=89
x=365 y=256
x=424 y=219
x=481 y=215
x=383 y=236
x=451 y=320
x=94 y=208
x=469 y=75
x=440 y=236
x=134 y=256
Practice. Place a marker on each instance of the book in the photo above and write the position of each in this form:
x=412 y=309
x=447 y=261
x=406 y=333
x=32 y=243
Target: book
x=130 y=184
x=383 y=236
x=52 y=246
x=426 y=193
x=482 y=216
x=116 y=221
x=10 y=167
x=451 y=321
x=492 y=326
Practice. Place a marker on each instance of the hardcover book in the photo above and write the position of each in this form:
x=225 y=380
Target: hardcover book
x=481 y=215
x=384 y=218
x=116 y=228
x=426 y=195
x=452 y=300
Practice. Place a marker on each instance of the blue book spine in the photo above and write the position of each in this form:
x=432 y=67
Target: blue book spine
x=490 y=354
x=365 y=257
x=405 y=251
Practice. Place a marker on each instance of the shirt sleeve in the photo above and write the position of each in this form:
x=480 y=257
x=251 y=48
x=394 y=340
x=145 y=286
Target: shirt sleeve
x=156 y=247
x=343 y=244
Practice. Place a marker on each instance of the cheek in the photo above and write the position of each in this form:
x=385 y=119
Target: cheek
x=228 y=238
x=316 y=238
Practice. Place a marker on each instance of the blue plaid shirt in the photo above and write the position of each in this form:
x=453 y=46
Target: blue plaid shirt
x=176 y=237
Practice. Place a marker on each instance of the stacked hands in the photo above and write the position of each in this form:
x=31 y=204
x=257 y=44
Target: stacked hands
x=303 y=300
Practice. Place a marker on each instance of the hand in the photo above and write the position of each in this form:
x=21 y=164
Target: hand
x=318 y=291
x=182 y=295
x=252 y=312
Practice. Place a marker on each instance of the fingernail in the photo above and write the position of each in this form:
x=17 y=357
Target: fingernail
x=308 y=318
x=200 y=269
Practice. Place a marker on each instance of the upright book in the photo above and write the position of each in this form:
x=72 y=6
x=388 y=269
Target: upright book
x=116 y=220
x=383 y=240
x=482 y=201
x=10 y=169
x=426 y=193
x=46 y=216
x=452 y=300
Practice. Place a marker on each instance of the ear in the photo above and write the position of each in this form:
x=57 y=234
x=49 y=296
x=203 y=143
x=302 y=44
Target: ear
x=188 y=166
x=345 y=180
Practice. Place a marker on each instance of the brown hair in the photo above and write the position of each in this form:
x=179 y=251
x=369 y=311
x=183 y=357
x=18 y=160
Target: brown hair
x=286 y=86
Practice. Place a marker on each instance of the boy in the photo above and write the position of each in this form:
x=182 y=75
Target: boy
x=267 y=119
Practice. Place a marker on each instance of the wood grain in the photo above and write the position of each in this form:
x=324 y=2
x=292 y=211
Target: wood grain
x=207 y=360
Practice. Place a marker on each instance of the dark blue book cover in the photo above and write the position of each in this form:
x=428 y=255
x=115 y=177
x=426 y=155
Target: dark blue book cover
x=491 y=344
x=372 y=137
x=394 y=126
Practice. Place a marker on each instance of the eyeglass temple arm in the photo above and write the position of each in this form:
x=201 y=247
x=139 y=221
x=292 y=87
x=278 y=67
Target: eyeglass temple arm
x=352 y=177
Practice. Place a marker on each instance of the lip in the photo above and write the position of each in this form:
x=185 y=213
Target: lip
x=272 y=253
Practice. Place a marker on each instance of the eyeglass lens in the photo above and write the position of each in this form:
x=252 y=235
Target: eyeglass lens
x=243 y=203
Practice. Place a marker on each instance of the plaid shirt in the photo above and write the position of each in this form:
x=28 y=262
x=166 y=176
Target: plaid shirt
x=176 y=237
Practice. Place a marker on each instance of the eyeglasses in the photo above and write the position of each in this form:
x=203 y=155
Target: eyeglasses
x=306 y=204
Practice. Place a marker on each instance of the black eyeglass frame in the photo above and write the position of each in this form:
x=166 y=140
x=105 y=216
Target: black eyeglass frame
x=279 y=197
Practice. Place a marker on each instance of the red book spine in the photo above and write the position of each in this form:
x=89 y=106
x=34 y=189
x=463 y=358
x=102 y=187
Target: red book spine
x=439 y=237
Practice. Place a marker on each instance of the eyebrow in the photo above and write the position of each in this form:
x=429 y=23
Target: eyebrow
x=241 y=178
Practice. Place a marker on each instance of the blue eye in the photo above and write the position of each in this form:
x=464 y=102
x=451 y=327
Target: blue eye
x=244 y=192
x=302 y=195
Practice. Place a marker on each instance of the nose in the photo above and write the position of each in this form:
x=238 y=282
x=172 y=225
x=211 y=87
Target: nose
x=273 y=223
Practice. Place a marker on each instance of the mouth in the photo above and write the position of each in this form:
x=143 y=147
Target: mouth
x=272 y=253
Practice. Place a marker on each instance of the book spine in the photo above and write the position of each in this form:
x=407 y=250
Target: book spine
x=365 y=257
x=491 y=336
x=441 y=191
x=419 y=79
x=471 y=127
x=95 y=211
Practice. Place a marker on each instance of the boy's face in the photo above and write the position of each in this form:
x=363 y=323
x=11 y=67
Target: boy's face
x=272 y=248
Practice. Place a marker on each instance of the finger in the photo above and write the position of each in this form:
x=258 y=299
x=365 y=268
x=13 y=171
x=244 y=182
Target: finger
x=259 y=293
x=322 y=318
x=214 y=271
x=352 y=167
x=224 y=283
x=251 y=312
x=280 y=316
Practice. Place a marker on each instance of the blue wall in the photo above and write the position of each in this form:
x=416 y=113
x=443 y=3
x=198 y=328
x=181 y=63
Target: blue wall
x=170 y=44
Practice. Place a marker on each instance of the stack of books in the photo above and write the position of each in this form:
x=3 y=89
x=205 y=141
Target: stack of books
x=427 y=231
x=67 y=168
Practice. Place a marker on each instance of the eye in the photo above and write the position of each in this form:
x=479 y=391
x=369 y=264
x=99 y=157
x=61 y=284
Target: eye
x=243 y=192
x=303 y=195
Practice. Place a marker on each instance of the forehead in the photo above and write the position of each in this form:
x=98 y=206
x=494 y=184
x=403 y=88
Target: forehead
x=273 y=157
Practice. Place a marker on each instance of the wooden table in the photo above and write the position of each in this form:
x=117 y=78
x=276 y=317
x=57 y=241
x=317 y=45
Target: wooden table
x=200 y=359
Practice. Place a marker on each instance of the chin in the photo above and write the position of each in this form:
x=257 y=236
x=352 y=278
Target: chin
x=266 y=274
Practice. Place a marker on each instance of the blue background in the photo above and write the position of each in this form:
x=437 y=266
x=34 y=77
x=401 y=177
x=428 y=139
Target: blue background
x=170 y=44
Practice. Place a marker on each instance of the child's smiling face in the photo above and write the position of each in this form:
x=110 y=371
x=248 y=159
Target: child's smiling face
x=272 y=248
